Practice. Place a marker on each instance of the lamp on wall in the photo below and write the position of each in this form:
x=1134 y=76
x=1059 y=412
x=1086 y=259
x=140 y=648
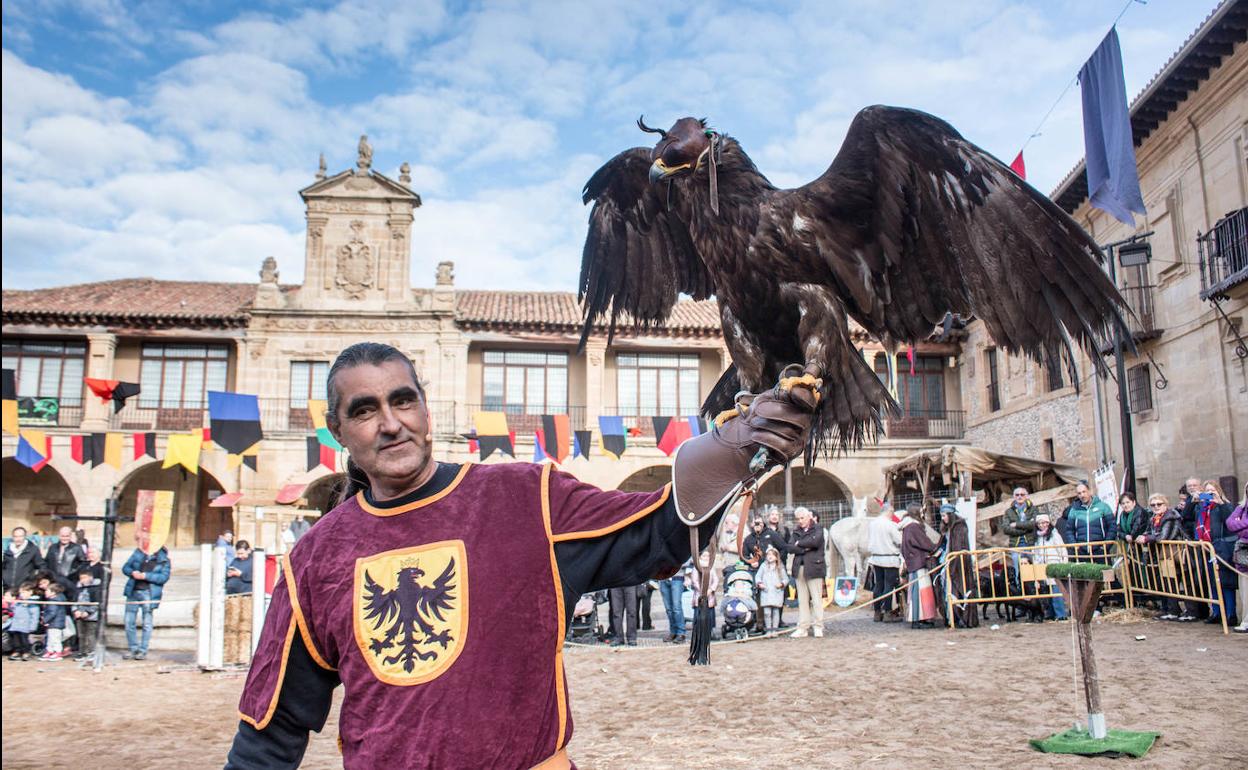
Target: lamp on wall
x=1135 y=254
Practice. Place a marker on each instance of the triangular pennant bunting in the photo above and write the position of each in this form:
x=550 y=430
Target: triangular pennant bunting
x=115 y=391
x=493 y=435
x=235 y=420
x=581 y=441
x=614 y=440
x=674 y=434
x=34 y=449
x=8 y=384
x=183 y=450
x=144 y=445
x=556 y=436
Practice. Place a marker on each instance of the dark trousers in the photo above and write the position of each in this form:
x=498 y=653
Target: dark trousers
x=886 y=581
x=21 y=641
x=86 y=634
x=624 y=613
x=643 y=606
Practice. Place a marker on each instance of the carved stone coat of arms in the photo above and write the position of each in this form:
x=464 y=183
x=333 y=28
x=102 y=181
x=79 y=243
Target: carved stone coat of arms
x=355 y=265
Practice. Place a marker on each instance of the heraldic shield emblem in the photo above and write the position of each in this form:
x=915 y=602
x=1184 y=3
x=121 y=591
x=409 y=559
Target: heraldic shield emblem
x=411 y=610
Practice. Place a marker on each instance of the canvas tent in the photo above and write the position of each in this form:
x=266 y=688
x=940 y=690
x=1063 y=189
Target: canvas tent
x=974 y=470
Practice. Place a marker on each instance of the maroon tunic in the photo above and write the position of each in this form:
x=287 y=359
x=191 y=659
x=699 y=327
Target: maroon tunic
x=444 y=618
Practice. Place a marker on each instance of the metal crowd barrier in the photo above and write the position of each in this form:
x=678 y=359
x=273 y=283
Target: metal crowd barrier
x=1030 y=582
x=1185 y=570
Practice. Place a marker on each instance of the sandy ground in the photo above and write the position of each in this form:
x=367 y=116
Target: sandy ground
x=928 y=698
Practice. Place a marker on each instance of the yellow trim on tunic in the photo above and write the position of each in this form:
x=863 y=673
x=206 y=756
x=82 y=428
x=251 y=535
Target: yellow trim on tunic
x=649 y=509
x=421 y=503
x=297 y=612
x=560 y=696
x=277 y=689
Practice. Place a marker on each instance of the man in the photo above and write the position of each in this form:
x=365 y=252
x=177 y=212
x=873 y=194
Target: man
x=238 y=573
x=884 y=543
x=94 y=565
x=1189 y=506
x=21 y=560
x=445 y=629
x=146 y=575
x=1020 y=525
x=1089 y=520
x=64 y=558
x=624 y=616
x=672 y=591
x=809 y=569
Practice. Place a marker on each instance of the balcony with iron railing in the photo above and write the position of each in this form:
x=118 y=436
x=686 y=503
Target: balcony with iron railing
x=1143 y=320
x=1224 y=255
x=926 y=424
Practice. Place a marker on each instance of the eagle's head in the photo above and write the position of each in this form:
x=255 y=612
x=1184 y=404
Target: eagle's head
x=681 y=149
x=413 y=574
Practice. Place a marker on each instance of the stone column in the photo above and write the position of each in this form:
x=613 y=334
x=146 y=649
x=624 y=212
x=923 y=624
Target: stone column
x=100 y=350
x=595 y=370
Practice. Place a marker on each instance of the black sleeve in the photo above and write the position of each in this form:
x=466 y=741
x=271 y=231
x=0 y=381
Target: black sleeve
x=303 y=705
x=656 y=544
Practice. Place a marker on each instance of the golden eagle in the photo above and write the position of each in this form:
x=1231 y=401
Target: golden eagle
x=910 y=226
x=403 y=611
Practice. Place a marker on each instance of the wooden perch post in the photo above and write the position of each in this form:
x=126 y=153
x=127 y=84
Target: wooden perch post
x=1081 y=597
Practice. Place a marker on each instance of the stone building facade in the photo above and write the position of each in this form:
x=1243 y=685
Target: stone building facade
x=475 y=350
x=1187 y=382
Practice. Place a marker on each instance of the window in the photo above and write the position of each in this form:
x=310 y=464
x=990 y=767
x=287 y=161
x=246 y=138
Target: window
x=1050 y=453
x=1139 y=389
x=525 y=382
x=307 y=382
x=921 y=394
x=658 y=384
x=994 y=380
x=47 y=369
x=179 y=376
x=1054 y=379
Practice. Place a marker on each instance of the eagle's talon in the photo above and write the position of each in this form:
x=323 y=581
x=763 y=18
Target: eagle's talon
x=725 y=416
x=805 y=381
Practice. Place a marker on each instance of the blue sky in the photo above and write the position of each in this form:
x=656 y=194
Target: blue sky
x=169 y=139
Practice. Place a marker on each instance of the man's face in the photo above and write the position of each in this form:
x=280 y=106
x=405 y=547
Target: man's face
x=1085 y=494
x=803 y=520
x=242 y=553
x=1020 y=496
x=93 y=554
x=774 y=518
x=19 y=537
x=758 y=525
x=66 y=535
x=383 y=422
x=1193 y=486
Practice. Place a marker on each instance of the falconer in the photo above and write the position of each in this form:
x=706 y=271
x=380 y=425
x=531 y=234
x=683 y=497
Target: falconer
x=438 y=594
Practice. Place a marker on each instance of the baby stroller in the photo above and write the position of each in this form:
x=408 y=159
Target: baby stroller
x=585 y=618
x=739 y=608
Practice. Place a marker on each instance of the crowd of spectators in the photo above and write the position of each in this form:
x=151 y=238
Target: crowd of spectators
x=52 y=598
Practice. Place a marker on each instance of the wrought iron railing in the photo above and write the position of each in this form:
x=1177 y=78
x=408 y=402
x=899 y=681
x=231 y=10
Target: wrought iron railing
x=521 y=420
x=1224 y=254
x=1143 y=319
x=926 y=423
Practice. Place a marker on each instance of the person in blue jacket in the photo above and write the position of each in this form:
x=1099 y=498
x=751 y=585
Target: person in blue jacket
x=1088 y=520
x=146 y=577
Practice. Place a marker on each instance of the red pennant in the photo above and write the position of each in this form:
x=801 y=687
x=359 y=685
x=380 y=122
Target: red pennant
x=75 y=449
x=677 y=432
x=1018 y=167
x=329 y=458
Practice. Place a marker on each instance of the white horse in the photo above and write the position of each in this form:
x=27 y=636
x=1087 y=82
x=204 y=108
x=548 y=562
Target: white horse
x=847 y=538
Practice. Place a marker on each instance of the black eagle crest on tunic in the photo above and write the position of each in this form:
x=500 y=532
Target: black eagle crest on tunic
x=407 y=614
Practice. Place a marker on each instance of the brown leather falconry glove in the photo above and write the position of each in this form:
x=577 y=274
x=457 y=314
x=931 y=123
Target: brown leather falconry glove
x=712 y=469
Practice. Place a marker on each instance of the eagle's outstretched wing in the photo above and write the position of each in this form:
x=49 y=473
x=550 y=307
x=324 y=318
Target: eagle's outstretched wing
x=913 y=221
x=380 y=605
x=638 y=256
x=436 y=599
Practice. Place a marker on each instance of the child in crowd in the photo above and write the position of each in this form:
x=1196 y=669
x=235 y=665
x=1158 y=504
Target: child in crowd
x=704 y=562
x=54 y=617
x=771 y=580
x=24 y=623
x=86 y=613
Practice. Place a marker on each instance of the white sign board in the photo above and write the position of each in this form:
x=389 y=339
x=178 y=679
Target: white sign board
x=1106 y=489
x=968 y=509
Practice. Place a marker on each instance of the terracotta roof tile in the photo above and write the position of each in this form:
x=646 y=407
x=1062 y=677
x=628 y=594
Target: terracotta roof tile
x=134 y=299
x=559 y=309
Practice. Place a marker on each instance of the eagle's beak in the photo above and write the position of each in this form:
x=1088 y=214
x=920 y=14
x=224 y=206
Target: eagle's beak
x=659 y=170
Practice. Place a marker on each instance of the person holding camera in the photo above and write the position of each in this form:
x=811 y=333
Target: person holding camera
x=1237 y=525
x=1212 y=513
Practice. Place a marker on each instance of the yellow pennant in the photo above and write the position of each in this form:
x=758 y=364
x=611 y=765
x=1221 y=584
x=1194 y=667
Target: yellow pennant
x=183 y=449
